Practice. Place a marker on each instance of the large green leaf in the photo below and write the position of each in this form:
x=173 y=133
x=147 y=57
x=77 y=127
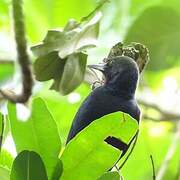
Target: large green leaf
x=71 y=40
x=4 y=174
x=39 y=133
x=63 y=109
x=88 y=156
x=158 y=28
x=28 y=165
x=73 y=73
x=110 y=176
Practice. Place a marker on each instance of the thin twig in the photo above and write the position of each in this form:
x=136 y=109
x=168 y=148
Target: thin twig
x=99 y=6
x=2 y=131
x=158 y=119
x=153 y=167
x=165 y=113
x=3 y=61
x=23 y=58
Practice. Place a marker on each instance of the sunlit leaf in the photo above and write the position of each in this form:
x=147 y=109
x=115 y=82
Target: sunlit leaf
x=63 y=109
x=28 y=165
x=88 y=156
x=39 y=133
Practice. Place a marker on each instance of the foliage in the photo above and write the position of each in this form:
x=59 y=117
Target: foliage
x=60 y=63
x=61 y=54
x=39 y=133
x=88 y=150
x=28 y=165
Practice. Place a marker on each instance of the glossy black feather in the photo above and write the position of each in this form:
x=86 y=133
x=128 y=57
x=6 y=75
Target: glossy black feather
x=117 y=94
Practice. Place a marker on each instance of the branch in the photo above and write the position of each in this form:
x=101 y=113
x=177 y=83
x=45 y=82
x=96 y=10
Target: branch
x=165 y=114
x=158 y=119
x=23 y=58
x=8 y=61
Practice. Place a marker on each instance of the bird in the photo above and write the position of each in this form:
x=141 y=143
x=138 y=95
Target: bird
x=121 y=76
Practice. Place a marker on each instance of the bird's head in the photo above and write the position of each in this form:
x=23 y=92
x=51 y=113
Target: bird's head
x=121 y=74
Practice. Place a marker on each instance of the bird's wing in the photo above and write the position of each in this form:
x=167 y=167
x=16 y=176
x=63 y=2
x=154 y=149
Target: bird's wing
x=96 y=105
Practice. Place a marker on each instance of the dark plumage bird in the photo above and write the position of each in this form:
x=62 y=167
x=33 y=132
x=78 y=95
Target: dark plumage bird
x=117 y=94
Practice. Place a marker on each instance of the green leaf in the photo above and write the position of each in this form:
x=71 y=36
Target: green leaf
x=28 y=165
x=39 y=133
x=81 y=38
x=73 y=73
x=4 y=174
x=110 y=176
x=69 y=70
x=58 y=170
x=158 y=28
x=53 y=35
x=48 y=66
x=88 y=156
x=6 y=159
x=60 y=106
x=67 y=42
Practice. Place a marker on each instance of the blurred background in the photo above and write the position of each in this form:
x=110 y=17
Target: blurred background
x=154 y=23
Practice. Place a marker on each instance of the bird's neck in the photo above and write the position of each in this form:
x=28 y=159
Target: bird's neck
x=123 y=85
x=120 y=92
x=123 y=89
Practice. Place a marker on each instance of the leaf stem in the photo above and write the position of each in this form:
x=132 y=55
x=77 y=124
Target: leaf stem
x=153 y=167
x=99 y=6
x=2 y=131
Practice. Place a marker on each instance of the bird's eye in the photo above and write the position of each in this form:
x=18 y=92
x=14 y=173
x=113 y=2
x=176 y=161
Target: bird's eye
x=107 y=61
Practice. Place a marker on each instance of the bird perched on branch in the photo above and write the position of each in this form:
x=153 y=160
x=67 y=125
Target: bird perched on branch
x=116 y=94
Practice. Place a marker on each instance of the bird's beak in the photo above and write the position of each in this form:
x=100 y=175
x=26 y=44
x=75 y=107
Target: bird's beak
x=100 y=67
